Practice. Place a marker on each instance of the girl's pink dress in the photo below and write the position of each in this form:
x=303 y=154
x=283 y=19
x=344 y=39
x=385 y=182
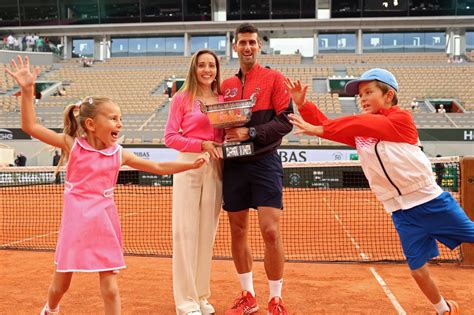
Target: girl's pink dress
x=90 y=238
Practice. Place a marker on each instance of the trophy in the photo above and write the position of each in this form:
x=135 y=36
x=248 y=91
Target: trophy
x=229 y=115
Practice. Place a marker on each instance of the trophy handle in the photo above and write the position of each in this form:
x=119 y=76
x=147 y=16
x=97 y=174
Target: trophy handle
x=253 y=98
x=202 y=106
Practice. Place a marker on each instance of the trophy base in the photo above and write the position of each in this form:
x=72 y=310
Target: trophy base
x=235 y=150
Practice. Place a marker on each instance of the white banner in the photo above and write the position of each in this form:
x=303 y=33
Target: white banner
x=286 y=155
x=317 y=155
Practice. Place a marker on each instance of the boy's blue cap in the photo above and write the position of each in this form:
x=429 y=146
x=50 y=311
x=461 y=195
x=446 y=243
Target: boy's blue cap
x=382 y=75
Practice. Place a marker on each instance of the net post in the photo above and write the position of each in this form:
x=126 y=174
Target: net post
x=467 y=202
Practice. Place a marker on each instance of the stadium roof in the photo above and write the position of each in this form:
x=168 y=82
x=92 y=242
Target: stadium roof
x=284 y=28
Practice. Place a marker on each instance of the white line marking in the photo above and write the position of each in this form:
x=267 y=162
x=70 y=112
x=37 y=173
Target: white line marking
x=134 y=213
x=388 y=293
x=29 y=239
x=363 y=255
x=52 y=233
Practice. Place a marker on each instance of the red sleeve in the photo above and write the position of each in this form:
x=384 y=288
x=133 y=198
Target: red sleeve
x=311 y=113
x=397 y=126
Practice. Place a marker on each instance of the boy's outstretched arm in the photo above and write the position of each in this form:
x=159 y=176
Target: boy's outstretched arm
x=26 y=79
x=162 y=168
x=398 y=126
x=307 y=109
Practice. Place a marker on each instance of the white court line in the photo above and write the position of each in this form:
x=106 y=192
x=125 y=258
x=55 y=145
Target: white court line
x=48 y=234
x=372 y=202
x=134 y=213
x=377 y=204
x=29 y=239
x=388 y=293
x=348 y=234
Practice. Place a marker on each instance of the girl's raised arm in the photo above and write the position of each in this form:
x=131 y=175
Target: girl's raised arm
x=26 y=80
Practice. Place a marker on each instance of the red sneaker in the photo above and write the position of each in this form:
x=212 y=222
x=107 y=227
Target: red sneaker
x=276 y=306
x=245 y=304
x=453 y=308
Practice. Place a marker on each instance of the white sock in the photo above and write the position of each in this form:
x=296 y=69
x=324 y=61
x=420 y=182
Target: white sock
x=50 y=310
x=441 y=307
x=246 y=282
x=275 y=288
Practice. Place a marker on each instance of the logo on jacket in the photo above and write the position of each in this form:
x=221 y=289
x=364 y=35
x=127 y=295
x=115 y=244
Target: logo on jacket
x=362 y=142
x=230 y=92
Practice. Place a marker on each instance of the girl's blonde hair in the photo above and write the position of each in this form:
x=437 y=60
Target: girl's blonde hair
x=75 y=116
x=190 y=86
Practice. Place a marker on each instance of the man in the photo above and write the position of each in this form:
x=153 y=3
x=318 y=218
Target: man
x=256 y=181
x=10 y=41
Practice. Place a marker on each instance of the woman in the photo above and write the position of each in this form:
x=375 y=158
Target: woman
x=197 y=195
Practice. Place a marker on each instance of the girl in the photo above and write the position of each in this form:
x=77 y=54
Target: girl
x=399 y=173
x=197 y=194
x=90 y=238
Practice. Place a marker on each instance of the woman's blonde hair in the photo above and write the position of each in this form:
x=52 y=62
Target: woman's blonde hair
x=75 y=116
x=190 y=86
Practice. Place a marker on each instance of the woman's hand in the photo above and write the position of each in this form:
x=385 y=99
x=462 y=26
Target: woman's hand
x=297 y=91
x=22 y=74
x=305 y=127
x=212 y=148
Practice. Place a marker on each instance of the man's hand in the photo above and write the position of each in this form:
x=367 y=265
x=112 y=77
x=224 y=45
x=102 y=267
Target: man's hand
x=237 y=134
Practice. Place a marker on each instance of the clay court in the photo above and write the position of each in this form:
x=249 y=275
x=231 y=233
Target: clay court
x=310 y=288
x=333 y=240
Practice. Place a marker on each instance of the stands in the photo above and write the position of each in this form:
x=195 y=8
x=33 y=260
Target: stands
x=133 y=83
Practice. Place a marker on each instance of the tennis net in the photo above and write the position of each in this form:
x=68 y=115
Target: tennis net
x=329 y=213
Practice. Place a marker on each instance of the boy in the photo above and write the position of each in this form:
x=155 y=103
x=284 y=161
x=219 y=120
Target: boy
x=398 y=172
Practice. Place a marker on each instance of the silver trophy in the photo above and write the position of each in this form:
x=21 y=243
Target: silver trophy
x=229 y=115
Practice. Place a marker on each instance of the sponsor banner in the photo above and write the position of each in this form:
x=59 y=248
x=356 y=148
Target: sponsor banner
x=316 y=155
x=25 y=178
x=134 y=177
x=448 y=134
x=286 y=155
x=7 y=134
x=18 y=134
x=155 y=180
x=325 y=177
x=154 y=154
x=319 y=177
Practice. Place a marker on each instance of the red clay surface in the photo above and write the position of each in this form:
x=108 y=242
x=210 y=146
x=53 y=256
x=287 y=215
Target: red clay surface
x=316 y=225
x=308 y=288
